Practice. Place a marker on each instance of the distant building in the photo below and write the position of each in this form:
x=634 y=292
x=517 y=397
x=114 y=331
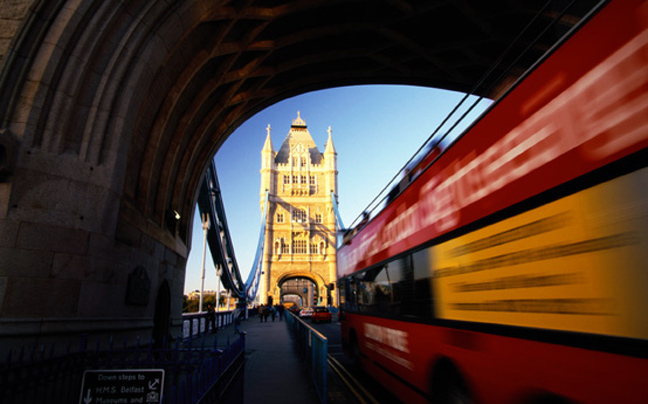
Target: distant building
x=300 y=233
x=196 y=294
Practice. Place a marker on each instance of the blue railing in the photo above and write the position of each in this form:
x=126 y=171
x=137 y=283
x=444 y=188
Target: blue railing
x=313 y=349
x=45 y=374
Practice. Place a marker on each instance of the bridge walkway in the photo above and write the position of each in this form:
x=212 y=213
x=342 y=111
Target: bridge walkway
x=273 y=373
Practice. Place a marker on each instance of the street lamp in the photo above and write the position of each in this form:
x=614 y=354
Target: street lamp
x=219 y=272
x=205 y=226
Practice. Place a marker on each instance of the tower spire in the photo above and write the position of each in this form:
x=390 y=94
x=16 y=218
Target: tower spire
x=299 y=122
x=329 y=143
x=267 y=146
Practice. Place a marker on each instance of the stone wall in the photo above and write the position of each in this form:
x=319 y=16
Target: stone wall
x=12 y=13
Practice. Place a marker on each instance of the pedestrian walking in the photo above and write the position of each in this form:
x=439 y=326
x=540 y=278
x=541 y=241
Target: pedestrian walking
x=211 y=318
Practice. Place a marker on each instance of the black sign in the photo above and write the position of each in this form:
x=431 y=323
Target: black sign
x=122 y=386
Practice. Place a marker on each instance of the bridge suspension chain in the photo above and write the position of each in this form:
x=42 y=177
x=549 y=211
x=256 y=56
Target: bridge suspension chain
x=219 y=240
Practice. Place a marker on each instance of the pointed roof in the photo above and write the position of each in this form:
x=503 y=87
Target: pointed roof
x=329 y=143
x=267 y=146
x=298 y=134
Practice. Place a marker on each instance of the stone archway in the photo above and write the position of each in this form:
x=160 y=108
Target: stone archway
x=299 y=303
x=303 y=285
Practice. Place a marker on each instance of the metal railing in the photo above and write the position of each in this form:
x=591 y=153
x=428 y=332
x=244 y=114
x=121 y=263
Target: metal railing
x=45 y=374
x=313 y=349
x=195 y=324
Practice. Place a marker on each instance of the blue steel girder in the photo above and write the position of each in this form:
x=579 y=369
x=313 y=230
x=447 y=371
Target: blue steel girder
x=220 y=243
x=218 y=238
x=338 y=218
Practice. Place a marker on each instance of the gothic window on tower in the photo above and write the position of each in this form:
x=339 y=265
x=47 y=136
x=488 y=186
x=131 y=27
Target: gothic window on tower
x=280 y=218
x=284 y=247
x=303 y=161
x=318 y=218
x=294 y=161
x=295 y=179
x=300 y=247
x=299 y=216
x=312 y=180
x=314 y=249
x=303 y=179
x=286 y=179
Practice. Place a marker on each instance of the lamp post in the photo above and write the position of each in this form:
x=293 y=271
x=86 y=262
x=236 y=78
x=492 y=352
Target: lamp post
x=205 y=226
x=219 y=271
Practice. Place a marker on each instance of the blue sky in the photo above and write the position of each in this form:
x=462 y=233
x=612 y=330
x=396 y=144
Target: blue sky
x=375 y=130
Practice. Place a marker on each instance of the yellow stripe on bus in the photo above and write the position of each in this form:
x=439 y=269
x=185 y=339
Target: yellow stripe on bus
x=576 y=264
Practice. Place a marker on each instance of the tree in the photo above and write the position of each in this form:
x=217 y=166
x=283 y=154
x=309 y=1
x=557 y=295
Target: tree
x=189 y=305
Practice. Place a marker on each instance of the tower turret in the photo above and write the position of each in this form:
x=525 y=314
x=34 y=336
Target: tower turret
x=267 y=166
x=330 y=163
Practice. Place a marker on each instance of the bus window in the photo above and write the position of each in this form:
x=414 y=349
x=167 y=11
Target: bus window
x=366 y=290
x=386 y=289
x=351 y=294
x=399 y=272
x=383 y=291
x=365 y=294
x=423 y=299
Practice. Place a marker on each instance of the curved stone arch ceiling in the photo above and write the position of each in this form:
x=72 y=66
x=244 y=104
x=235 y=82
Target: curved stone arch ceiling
x=190 y=107
x=151 y=89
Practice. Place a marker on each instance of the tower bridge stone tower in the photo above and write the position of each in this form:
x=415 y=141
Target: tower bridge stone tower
x=300 y=229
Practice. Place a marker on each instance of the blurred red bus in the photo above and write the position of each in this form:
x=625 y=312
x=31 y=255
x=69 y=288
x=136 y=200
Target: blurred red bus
x=514 y=268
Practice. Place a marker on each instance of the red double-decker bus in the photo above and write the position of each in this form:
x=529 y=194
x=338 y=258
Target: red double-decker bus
x=514 y=269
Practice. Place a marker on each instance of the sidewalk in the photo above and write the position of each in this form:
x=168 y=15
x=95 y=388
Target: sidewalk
x=273 y=373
